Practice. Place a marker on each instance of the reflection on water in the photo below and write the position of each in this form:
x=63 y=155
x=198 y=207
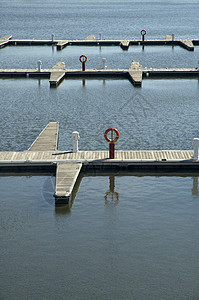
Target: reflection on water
x=149 y=239
x=111 y=196
x=195 y=189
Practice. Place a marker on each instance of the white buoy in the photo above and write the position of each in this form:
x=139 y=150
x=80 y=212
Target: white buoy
x=75 y=138
x=104 y=63
x=39 y=65
x=53 y=37
x=195 y=148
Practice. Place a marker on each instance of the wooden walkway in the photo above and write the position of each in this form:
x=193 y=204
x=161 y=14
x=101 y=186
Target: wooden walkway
x=187 y=44
x=4 y=41
x=48 y=139
x=135 y=73
x=43 y=155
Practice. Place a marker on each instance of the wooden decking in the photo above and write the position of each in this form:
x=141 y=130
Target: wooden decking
x=135 y=73
x=4 y=41
x=43 y=155
x=40 y=156
x=57 y=74
x=187 y=44
x=66 y=177
x=48 y=139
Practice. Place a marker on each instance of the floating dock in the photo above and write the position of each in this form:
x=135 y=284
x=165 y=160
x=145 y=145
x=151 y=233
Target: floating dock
x=43 y=156
x=187 y=44
x=135 y=73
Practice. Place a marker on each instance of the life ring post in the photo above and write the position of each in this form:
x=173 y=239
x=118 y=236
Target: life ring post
x=111 y=150
x=83 y=59
x=143 y=33
x=111 y=141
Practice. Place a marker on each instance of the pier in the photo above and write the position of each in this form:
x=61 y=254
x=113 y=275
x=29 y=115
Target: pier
x=90 y=40
x=134 y=74
x=43 y=156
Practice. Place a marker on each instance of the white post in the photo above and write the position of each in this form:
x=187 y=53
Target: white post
x=39 y=65
x=53 y=37
x=172 y=36
x=75 y=138
x=104 y=63
x=100 y=36
x=195 y=148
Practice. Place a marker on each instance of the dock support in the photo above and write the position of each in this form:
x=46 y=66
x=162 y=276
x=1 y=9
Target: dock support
x=172 y=37
x=195 y=148
x=53 y=37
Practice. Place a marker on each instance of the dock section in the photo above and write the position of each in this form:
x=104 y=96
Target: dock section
x=66 y=177
x=4 y=41
x=125 y=44
x=57 y=74
x=62 y=44
x=48 y=138
x=135 y=74
x=90 y=40
x=186 y=44
x=43 y=156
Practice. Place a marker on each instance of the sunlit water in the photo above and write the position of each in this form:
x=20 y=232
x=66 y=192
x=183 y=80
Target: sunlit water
x=139 y=241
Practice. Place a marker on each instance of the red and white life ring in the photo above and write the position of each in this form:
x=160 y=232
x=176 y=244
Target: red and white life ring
x=113 y=140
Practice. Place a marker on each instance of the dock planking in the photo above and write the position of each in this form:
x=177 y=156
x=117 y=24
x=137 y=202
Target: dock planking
x=135 y=73
x=187 y=44
x=4 y=41
x=57 y=74
x=44 y=157
x=66 y=177
x=48 y=138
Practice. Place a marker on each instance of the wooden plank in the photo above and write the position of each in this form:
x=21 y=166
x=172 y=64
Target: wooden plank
x=66 y=176
x=125 y=44
x=48 y=138
x=62 y=44
x=5 y=40
x=56 y=78
x=135 y=77
x=90 y=38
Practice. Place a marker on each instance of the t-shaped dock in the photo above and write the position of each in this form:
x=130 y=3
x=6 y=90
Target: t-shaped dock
x=43 y=155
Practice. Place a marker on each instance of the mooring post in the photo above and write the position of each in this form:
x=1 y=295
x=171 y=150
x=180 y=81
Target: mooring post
x=172 y=37
x=75 y=138
x=195 y=148
x=100 y=36
x=104 y=63
x=53 y=37
x=39 y=65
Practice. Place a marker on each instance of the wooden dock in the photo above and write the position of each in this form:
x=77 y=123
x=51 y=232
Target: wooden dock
x=187 y=44
x=135 y=73
x=4 y=41
x=43 y=156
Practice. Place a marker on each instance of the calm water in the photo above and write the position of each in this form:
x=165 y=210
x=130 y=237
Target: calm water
x=141 y=240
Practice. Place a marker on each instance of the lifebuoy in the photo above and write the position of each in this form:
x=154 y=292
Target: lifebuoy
x=143 y=32
x=112 y=130
x=83 y=56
